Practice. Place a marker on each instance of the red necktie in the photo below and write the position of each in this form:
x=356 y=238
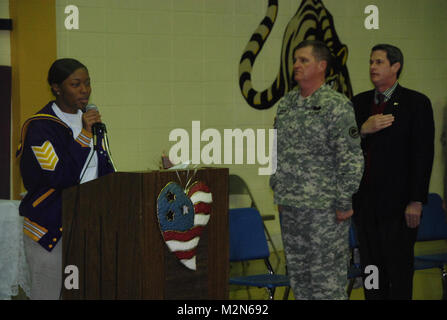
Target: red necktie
x=376 y=109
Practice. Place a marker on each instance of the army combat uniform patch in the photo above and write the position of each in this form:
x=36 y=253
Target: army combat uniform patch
x=354 y=132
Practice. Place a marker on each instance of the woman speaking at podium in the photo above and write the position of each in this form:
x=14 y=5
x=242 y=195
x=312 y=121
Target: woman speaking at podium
x=56 y=152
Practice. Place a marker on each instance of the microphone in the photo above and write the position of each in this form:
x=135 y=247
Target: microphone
x=96 y=127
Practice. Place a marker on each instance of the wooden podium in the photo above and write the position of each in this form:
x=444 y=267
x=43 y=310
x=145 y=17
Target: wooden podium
x=111 y=234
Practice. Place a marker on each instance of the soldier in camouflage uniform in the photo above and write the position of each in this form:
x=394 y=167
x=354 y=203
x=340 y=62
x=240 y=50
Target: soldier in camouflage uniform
x=320 y=164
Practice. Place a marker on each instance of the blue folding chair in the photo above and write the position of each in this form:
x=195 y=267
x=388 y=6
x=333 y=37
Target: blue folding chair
x=354 y=268
x=433 y=227
x=238 y=187
x=248 y=242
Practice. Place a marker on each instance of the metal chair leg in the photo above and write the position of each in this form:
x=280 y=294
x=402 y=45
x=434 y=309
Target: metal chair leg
x=350 y=286
x=269 y=239
x=287 y=290
x=271 y=293
x=444 y=283
x=286 y=293
x=244 y=272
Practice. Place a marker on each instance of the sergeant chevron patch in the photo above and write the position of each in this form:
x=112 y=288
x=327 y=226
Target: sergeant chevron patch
x=46 y=156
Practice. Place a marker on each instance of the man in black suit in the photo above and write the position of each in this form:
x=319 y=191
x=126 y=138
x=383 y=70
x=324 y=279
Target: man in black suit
x=397 y=129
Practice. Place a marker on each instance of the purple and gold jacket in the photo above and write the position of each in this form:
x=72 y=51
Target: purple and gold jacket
x=51 y=160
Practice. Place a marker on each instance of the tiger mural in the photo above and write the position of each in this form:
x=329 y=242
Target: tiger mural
x=312 y=21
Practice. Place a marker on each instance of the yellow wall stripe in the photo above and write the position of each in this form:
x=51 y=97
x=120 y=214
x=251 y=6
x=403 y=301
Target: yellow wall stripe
x=34 y=31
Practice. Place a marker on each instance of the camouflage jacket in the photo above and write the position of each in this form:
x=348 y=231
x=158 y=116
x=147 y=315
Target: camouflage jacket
x=319 y=159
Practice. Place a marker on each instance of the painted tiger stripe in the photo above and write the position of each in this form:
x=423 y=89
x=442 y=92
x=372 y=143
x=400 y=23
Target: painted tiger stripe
x=251 y=51
x=312 y=21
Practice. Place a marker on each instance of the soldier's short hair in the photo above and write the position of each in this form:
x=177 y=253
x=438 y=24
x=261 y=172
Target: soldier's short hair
x=319 y=50
x=393 y=54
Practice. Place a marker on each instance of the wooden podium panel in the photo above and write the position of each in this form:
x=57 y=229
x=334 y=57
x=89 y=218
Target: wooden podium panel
x=111 y=234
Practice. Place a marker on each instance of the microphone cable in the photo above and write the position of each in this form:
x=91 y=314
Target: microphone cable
x=76 y=203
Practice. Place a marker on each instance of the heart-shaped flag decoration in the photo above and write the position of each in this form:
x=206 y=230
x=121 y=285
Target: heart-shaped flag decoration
x=182 y=218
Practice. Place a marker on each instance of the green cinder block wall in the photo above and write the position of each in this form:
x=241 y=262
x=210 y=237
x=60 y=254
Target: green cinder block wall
x=159 y=65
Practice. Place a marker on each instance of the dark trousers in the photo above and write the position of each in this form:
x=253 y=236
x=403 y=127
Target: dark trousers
x=386 y=242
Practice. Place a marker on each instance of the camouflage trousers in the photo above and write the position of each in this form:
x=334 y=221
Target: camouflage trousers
x=317 y=253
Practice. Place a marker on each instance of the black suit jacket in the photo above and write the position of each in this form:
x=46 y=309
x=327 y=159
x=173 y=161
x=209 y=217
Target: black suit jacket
x=401 y=156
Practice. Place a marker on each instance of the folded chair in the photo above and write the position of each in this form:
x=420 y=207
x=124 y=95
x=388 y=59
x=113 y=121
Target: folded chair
x=433 y=227
x=354 y=268
x=238 y=187
x=248 y=242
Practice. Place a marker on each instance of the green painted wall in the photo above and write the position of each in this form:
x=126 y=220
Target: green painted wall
x=158 y=65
